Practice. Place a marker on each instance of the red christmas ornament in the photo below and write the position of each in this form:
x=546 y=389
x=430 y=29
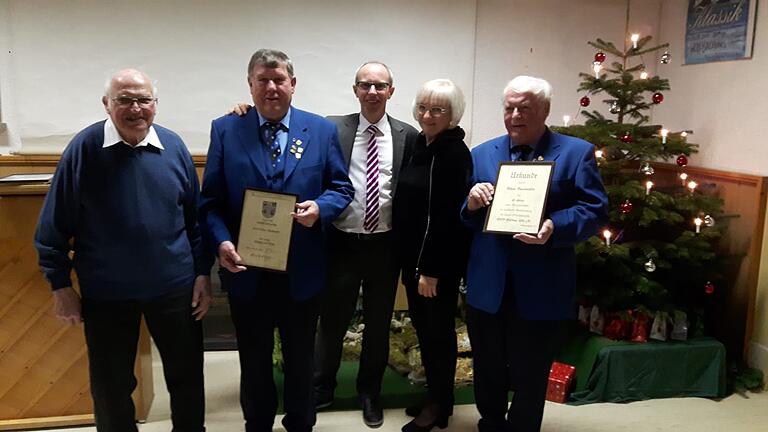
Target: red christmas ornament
x=709 y=288
x=682 y=161
x=626 y=138
x=657 y=98
x=584 y=101
x=600 y=57
x=626 y=207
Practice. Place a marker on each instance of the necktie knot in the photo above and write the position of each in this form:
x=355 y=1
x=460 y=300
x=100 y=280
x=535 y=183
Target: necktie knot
x=521 y=152
x=373 y=130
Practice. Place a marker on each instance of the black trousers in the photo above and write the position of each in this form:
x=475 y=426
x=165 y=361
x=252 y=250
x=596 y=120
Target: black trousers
x=511 y=353
x=355 y=260
x=255 y=321
x=112 y=334
x=435 y=322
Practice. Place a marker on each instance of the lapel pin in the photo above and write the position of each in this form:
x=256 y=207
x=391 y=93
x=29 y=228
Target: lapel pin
x=298 y=155
x=298 y=142
x=300 y=149
x=540 y=158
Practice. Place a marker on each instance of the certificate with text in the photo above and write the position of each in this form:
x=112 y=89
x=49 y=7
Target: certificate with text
x=519 y=197
x=265 y=229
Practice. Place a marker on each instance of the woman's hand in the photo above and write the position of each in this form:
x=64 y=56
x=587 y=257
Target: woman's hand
x=427 y=286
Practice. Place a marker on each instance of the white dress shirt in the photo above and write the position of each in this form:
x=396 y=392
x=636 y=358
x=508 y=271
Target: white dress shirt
x=351 y=220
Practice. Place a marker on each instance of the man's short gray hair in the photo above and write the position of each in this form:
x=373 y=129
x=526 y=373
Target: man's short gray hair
x=522 y=84
x=443 y=90
x=389 y=71
x=272 y=59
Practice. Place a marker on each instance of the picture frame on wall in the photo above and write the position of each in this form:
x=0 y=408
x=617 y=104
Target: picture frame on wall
x=719 y=30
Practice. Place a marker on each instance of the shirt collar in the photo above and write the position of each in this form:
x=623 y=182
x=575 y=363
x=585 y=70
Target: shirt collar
x=382 y=124
x=541 y=143
x=112 y=137
x=285 y=121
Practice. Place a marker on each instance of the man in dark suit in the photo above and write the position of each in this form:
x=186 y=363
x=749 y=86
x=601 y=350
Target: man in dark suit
x=520 y=288
x=280 y=148
x=361 y=242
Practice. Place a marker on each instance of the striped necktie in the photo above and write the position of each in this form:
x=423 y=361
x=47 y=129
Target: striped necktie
x=371 y=220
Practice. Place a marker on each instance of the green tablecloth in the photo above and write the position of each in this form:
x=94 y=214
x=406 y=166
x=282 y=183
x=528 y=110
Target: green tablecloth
x=626 y=371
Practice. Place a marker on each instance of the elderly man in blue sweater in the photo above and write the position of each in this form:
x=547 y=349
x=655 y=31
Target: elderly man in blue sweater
x=124 y=200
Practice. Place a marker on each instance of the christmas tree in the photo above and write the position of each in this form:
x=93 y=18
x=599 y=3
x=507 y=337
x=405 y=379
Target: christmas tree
x=656 y=256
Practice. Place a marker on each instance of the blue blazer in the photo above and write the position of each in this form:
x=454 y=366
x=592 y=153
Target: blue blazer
x=543 y=276
x=236 y=161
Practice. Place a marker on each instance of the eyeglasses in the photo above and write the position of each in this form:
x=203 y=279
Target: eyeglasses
x=366 y=86
x=125 y=101
x=434 y=111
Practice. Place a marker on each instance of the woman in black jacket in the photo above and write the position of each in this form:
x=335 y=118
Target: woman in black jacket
x=433 y=244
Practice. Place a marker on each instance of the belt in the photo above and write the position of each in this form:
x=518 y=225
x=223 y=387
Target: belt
x=360 y=236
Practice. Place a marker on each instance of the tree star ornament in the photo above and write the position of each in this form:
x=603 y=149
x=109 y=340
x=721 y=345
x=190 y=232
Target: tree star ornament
x=614 y=109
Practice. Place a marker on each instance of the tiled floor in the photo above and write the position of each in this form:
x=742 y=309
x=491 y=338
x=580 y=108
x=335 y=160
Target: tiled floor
x=733 y=414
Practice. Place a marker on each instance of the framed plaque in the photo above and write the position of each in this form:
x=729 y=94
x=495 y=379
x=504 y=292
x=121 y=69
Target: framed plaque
x=519 y=197
x=265 y=229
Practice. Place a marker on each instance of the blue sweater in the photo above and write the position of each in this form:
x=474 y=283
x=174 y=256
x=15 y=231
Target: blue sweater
x=131 y=214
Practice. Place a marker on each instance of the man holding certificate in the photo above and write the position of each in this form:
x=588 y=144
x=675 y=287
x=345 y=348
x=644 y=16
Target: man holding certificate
x=521 y=281
x=266 y=170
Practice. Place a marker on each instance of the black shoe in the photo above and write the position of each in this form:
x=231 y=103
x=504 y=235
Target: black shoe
x=411 y=426
x=414 y=410
x=323 y=400
x=373 y=416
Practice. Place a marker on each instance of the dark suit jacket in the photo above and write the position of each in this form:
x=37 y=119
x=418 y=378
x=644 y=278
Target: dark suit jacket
x=235 y=162
x=543 y=276
x=403 y=137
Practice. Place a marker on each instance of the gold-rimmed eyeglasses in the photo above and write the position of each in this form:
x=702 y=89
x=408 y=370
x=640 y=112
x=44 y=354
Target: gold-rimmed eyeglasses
x=433 y=111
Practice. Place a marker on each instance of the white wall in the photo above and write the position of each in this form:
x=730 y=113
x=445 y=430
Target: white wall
x=548 y=39
x=61 y=52
x=725 y=103
x=197 y=51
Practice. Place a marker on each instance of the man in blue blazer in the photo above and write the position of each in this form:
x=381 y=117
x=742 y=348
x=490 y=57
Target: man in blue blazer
x=279 y=148
x=520 y=288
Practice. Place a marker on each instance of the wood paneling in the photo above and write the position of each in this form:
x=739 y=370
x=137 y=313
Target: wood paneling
x=43 y=362
x=744 y=214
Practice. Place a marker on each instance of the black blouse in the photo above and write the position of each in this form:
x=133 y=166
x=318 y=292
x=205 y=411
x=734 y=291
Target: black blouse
x=432 y=187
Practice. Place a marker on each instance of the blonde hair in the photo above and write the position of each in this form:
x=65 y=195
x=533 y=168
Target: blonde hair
x=442 y=90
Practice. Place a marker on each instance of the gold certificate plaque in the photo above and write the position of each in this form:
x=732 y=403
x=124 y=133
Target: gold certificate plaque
x=265 y=229
x=519 y=197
